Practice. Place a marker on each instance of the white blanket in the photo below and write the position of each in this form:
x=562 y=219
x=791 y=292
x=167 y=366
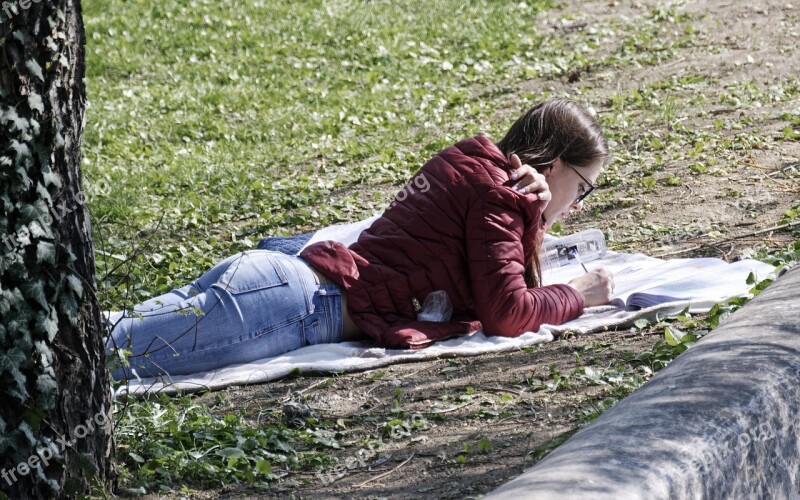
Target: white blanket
x=357 y=356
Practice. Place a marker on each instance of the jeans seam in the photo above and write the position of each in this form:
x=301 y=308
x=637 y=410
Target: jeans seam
x=300 y=267
x=328 y=321
x=314 y=324
x=277 y=266
x=334 y=314
x=273 y=327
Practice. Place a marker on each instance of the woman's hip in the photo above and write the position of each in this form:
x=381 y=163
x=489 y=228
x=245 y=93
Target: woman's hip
x=271 y=290
x=252 y=305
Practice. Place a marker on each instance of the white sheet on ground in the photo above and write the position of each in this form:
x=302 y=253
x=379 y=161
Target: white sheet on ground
x=635 y=273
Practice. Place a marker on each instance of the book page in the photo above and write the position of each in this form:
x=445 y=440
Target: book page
x=667 y=271
x=612 y=261
x=715 y=282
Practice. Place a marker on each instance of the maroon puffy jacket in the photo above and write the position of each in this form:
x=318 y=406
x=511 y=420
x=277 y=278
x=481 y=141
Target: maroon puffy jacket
x=468 y=234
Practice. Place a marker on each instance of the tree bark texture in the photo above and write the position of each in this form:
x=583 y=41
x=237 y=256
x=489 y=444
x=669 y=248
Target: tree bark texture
x=55 y=402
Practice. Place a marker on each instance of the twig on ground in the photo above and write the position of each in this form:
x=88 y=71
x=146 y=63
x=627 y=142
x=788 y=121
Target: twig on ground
x=770 y=172
x=359 y=485
x=315 y=384
x=447 y=410
x=712 y=244
x=379 y=384
x=678 y=252
x=500 y=389
x=422 y=369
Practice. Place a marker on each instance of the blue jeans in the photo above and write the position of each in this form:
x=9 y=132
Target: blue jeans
x=252 y=305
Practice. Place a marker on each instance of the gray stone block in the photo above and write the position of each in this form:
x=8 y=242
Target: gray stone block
x=721 y=421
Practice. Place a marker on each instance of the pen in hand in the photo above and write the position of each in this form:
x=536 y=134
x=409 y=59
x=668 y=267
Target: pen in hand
x=574 y=252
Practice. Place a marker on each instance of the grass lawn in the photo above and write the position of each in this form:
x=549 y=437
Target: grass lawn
x=213 y=124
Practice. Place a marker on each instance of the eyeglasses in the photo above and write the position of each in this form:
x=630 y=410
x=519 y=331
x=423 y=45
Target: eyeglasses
x=586 y=193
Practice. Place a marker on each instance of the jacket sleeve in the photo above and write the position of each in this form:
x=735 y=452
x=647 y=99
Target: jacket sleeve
x=503 y=303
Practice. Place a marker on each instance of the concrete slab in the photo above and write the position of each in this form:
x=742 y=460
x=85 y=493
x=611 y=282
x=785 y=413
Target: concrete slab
x=721 y=421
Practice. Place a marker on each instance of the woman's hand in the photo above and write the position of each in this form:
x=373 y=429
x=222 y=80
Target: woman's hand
x=595 y=286
x=529 y=181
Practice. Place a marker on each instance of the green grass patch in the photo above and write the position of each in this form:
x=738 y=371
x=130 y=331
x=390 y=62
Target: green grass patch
x=172 y=443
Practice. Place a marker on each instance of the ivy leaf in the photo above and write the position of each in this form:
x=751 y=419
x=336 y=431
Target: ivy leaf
x=10 y=115
x=10 y=363
x=5 y=442
x=23 y=236
x=23 y=176
x=29 y=212
x=43 y=193
x=27 y=431
x=34 y=68
x=69 y=307
x=51 y=178
x=35 y=102
x=46 y=252
x=48 y=388
x=51 y=44
x=37 y=231
x=11 y=358
x=76 y=285
x=35 y=291
x=22 y=150
x=5 y=306
x=44 y=352
x=23 y=339
x=19 y=392
x=10 y=299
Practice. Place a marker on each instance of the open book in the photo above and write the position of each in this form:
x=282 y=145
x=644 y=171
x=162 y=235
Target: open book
x=642 y=281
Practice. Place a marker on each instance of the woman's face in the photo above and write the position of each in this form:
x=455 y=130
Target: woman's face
x=566 y=186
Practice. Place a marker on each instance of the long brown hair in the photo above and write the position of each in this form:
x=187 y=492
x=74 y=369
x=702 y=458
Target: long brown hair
x=557 y=128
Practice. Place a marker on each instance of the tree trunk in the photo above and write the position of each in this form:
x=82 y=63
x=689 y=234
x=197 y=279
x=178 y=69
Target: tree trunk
x=55 y=402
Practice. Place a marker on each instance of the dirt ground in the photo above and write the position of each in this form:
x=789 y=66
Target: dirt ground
x=720 y=210
x=453 y=402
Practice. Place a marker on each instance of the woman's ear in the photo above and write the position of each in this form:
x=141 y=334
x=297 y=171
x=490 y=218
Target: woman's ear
x=548 y=169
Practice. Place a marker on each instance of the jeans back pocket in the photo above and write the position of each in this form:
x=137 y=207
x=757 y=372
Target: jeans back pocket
x=253 y=270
